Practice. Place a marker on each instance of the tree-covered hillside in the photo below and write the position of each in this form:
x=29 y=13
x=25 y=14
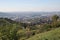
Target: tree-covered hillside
x=13 y=30
x=50 y=35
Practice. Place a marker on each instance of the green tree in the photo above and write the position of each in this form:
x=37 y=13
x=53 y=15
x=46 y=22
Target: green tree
x=55 y=17
x=45 y=27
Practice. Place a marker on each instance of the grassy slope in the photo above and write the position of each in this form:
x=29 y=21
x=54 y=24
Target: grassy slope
x=50 y=35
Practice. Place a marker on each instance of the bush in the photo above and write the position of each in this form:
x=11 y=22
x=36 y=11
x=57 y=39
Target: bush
x=45 y=27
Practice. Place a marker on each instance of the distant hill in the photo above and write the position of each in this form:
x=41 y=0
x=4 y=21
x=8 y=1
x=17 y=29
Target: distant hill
x=6 y=20
x=50 y=35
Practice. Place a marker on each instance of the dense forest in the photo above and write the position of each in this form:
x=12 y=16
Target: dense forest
x=12 y=30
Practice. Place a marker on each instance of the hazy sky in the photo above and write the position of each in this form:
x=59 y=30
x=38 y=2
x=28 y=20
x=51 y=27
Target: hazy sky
x=29 y=5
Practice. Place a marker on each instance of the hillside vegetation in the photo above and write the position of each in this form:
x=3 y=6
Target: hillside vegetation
x=13 y=30
x=50 y=35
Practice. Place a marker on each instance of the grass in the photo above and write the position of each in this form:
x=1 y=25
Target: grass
x=50 y=35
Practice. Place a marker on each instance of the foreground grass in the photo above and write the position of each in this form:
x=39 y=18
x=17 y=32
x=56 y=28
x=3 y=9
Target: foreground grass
x=50 y=35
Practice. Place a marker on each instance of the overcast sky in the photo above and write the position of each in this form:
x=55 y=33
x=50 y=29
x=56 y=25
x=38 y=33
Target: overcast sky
x=29 y=5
